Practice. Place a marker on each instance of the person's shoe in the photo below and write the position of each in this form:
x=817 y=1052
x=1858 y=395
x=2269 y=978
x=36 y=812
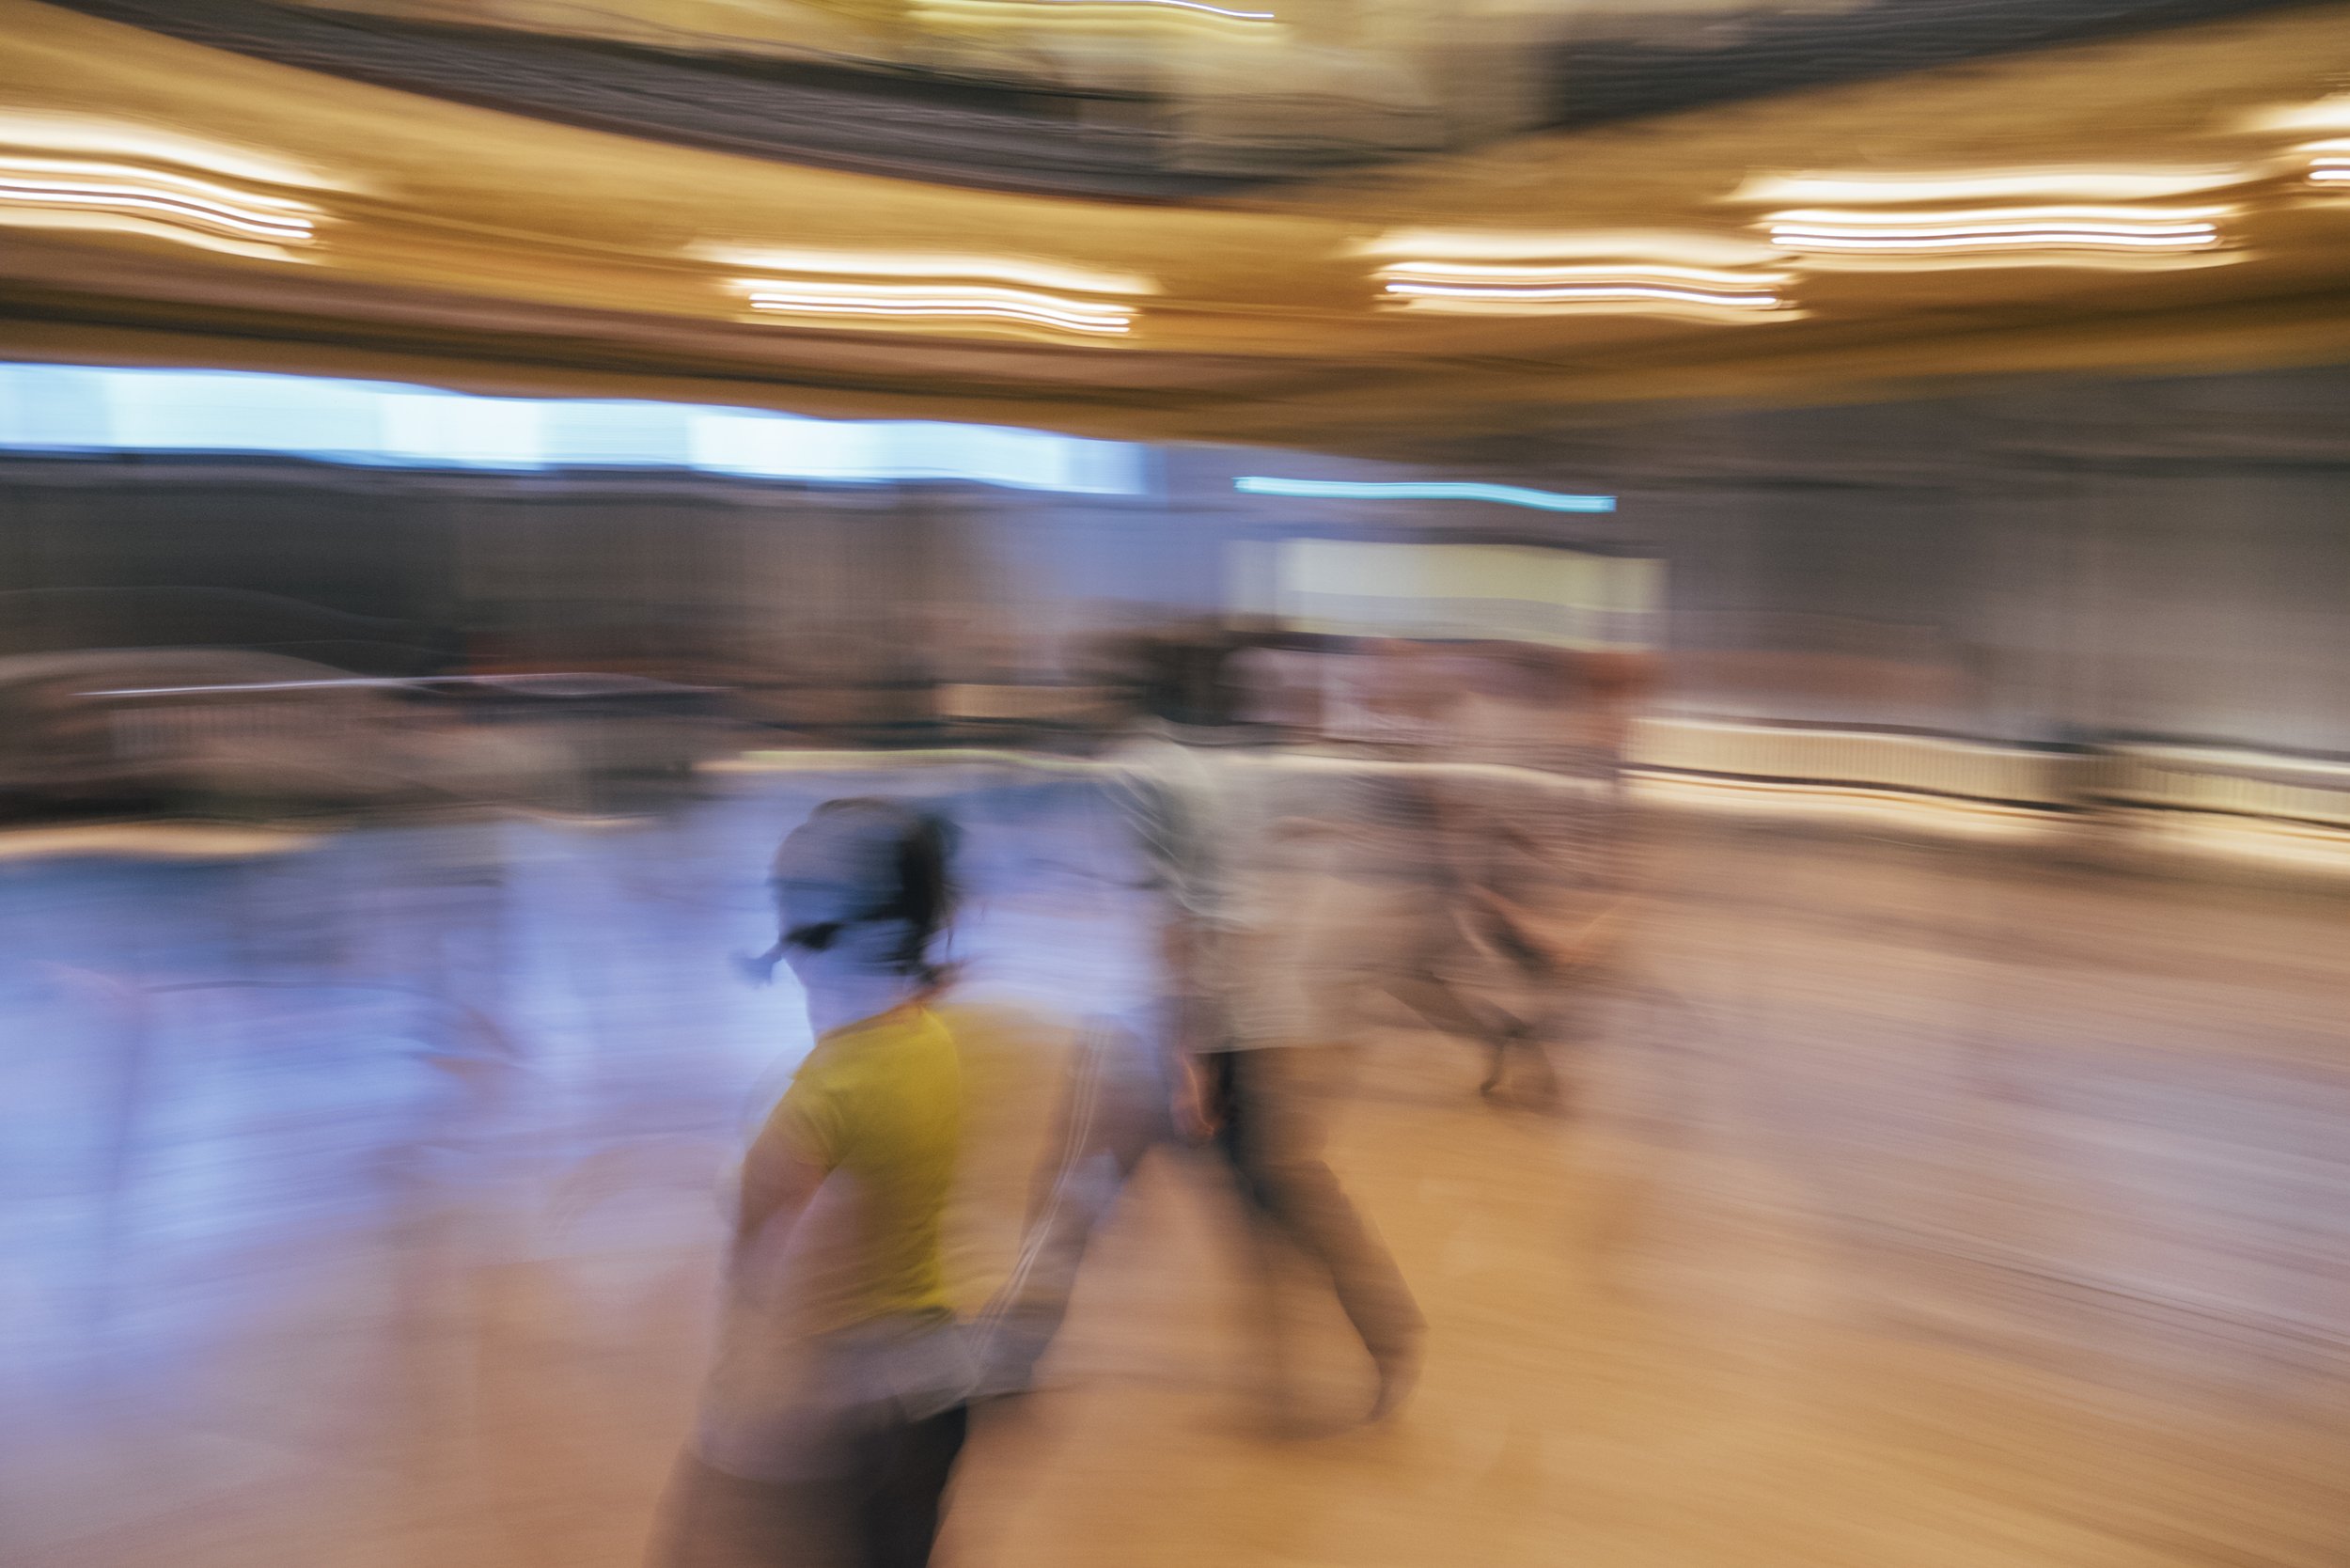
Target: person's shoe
x=1399 y=1371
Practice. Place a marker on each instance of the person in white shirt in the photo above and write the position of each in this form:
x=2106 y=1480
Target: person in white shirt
x=1244 y=1035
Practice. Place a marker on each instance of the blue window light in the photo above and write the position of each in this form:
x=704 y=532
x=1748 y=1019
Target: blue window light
x=74 y=408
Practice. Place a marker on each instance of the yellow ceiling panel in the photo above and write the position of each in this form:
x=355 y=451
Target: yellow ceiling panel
x=164 y=202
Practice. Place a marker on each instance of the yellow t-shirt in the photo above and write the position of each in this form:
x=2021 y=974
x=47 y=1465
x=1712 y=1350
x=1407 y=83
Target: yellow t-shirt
x=880 y=1102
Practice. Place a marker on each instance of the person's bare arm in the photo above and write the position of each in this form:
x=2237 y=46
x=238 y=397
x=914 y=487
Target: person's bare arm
x=1180 y=947
x=779 y=1177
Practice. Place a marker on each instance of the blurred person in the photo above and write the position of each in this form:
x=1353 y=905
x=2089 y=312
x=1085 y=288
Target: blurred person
x=834 y=1415
x=1279 y=678
x=1522 y=861
x=1237 y=1054
x=1390 y=694
x=1616 y=681
x=1516 y=945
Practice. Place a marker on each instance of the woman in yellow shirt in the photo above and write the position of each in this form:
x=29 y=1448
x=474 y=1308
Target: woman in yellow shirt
x=834 y=1412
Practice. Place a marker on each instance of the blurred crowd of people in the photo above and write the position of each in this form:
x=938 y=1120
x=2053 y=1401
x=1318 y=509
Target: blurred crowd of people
x=1314 y=829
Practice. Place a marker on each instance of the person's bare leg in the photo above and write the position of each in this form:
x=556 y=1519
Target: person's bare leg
x=1443 y=1008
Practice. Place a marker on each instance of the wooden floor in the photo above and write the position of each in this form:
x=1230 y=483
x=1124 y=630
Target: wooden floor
x=1927 y=1207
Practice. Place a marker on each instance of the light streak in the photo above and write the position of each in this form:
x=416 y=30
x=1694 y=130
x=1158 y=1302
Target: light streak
x=135 y=190
x=1100 y=11
x=2325 y=114
x=88 y=136
x=994 y=304
x=1487 y=272
x=941 y=269
x=911 y=287
x=1982 y=239
x=2329 y=162
x=53 y=408
x=825 y=297
x=1645 y=249
x=1624 y=285
x=2064 y=216
x=1423 y=490
x=84 y=194
x=2085 y=183
x=1997 y=230
x=1597 y=293
x=1162 y=5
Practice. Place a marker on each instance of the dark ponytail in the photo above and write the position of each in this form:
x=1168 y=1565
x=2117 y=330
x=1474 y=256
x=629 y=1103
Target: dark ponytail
x=925 y=894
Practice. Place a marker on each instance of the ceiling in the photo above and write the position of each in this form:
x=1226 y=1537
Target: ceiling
x=205 y=205
x=1151 y=100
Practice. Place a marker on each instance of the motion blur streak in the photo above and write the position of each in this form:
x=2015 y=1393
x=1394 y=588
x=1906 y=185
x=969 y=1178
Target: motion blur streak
x=144 y=146
x=69 y=185
x=1143 y=6
x=69 y=408
x=1096 y=12
x=878 y=299
x=1642 y=248
x=1627 y=292
x=2329 y=162
x=2325 y=114
x=2019 y=228
x=936 y=269
x=1424 y=490
x=1983 y=185
x=1472 y=271
x=1087 y=784
x=1502 y=286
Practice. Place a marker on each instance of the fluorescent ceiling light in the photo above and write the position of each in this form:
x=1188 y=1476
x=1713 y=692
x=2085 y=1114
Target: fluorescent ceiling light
x=1092 y=9
x=1424 y=490
x=1494 y=285
x=87 y=136
x=1627 y=294
x=2009 y=231
x=2088 y=184
x=43 y=191
x=1498 y=274
x=929 y=302
x=1629 y=246
x=918 y=266
x=2325 y=114
x=2329 y=162
x=69 y=185
x=1623 y=286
